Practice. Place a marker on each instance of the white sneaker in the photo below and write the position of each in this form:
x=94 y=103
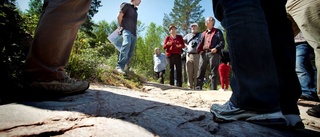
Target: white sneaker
x=120 y=71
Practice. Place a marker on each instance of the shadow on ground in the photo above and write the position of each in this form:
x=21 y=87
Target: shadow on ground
x=156 y=116
x=164 y=86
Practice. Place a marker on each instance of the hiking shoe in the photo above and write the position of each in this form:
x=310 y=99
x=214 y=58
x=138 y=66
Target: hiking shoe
x=294 y=121
x=314 y=111
x=275 y=119
x=229 y=112
x=121 y=71
x=310 y=98
x=126 y=69
x=62 y=87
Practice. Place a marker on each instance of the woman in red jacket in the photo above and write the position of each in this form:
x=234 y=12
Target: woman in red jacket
x=173 y=45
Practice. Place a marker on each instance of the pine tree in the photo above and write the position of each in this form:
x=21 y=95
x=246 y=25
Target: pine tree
x=184 y=12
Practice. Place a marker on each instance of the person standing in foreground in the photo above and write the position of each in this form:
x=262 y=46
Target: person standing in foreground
x=306 y=69
x=127 y=20
x=306 y=16
x=209 y=49
x=192 y=41
x=50 y=51
x=173 y=45
x=224 y=69
x=265 y=86
x=160 y=62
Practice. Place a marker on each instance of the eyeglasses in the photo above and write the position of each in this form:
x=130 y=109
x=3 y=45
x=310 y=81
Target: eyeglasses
x=207 y=21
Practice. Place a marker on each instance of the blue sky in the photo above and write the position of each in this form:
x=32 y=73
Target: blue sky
x=148 y=11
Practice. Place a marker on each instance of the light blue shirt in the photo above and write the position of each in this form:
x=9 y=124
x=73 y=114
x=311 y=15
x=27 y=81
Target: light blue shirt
x=159 y=62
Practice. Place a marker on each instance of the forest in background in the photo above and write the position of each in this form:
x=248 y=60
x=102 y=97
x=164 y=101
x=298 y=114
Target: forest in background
x=93 y=57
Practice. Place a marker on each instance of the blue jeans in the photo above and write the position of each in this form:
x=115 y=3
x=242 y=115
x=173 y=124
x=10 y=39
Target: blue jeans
x=306 y=69
x=262 y=54
x=127 y=49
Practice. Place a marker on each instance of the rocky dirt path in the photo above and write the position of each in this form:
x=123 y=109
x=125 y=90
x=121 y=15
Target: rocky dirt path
x=204 y=99
x=156 y=110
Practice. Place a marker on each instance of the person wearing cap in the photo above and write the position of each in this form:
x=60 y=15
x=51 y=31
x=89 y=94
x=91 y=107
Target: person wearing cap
x=209 y=49
x=173 y=45
x=192 y=41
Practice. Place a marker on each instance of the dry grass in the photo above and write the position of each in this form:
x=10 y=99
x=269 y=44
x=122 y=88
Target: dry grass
x=131 y=81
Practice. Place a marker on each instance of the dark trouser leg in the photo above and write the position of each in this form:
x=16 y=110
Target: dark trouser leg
x=156 y=75
x=254 y=81
x=203 y=63
x=284 y=50
x=162 y=76
x=178 y=65
x=214 y=64
x=171 y=67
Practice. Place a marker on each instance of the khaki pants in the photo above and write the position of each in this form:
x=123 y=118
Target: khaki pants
x=192 y=67
x=54 y=38
x=306 y=16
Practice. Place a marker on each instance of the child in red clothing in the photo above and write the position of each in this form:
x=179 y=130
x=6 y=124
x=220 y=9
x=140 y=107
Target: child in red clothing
x=224 y=69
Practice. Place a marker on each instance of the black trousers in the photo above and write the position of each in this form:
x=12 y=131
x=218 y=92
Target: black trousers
x=211 y=59
x=160 y=75
x=175 y=69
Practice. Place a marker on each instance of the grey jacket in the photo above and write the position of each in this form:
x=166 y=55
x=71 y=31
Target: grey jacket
x=192 y=44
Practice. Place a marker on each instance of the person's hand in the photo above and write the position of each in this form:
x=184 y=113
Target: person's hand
x=179 y=46
x=169 y=43
x=120 y=31
x=214 y=50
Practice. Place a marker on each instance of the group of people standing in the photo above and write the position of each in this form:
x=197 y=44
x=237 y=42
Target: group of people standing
x=265 y=86
x=201 y=50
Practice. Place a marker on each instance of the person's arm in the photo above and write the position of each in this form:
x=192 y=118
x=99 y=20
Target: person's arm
x=185 y=40
x=200 y=47
x=165 y=58
x=123 y=9
x=220 y=44
x=182 y=42
x=166 y=45
x=154 y=59
x=155 y=65
x=120 y=17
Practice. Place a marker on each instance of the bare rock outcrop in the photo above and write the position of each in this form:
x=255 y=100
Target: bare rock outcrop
x=158 y=110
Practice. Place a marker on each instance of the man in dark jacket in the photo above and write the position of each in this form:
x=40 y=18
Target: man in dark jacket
x=209 y=48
